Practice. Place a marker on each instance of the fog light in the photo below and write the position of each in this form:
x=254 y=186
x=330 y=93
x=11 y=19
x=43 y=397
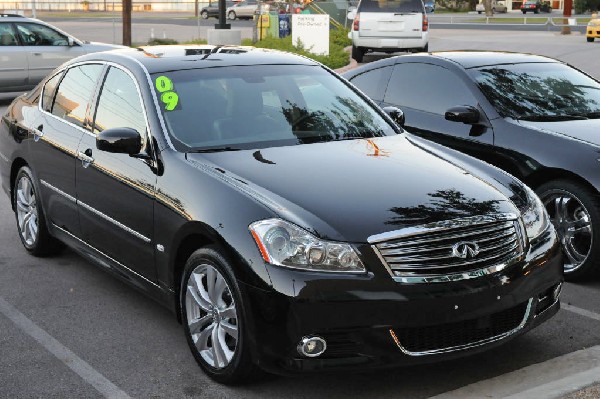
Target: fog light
x=556 y=291
x=312 y=346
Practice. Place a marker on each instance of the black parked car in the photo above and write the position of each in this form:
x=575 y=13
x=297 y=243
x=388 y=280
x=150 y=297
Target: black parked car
x=534 y=117
x=212 y=9
x=280 y=214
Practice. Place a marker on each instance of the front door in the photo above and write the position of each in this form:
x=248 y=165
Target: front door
x=13 y=60
x=115 y=192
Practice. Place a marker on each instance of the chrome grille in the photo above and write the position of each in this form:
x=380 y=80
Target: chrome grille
x=429 y=253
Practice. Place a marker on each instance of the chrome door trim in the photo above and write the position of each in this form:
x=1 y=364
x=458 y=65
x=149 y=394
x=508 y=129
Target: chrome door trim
x=104 y=255
x=96 y=212
x=58 y=191
x=470 y=345
x=113 y=221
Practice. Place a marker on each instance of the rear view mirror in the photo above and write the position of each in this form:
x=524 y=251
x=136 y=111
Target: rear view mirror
x=396 y=114
x=463 y=113
x=70 y=41
x=122 y=140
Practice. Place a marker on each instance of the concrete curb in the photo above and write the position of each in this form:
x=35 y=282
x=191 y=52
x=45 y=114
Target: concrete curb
x=352 y=62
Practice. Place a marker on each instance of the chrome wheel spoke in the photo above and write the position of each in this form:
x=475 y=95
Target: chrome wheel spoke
x=32 y=227
x=217 y=349
x=229 y=313
x=202 y=339
x=199 y=323
x=230 y=329
x=572 y=253
x=200 y=301
x=560 y=209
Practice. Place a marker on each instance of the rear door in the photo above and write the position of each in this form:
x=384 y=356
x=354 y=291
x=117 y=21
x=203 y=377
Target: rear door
x=391 y=19
x=46 y=49
x=13 y=60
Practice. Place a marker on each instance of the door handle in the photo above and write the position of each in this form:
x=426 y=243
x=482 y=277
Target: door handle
x=85 y=157
x=37 y=53
x=38 y=133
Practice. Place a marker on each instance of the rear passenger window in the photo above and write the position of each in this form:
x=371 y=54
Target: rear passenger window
x=373 y=82
x=48 y=94
x=119 y=104
x=390 y=6
x=7 y=35
x=75 y=92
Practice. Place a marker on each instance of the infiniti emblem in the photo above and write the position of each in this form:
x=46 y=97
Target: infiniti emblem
x=465 y=250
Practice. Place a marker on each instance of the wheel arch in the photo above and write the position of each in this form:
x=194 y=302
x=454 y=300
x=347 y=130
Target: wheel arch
x=539 y=177
x=17 y=164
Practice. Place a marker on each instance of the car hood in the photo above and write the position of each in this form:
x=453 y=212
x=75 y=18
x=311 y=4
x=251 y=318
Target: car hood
x=587 y=130
x=351 y=190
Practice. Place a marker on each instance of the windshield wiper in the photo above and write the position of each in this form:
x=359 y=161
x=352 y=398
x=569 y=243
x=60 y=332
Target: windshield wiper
x=215 y=149
x=551 y=118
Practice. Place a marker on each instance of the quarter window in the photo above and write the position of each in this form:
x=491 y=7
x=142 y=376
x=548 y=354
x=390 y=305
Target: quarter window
x=119 y=104
x=74 y=93
x=49 y=89
x=428 y=88
x=7 y=35
x=373 y=82
x=40 y=35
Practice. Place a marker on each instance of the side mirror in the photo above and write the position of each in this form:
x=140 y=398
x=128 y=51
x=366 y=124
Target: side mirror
x=351 y=13
x=396 y=114
x=464 y=113
x=121 y=140
x=71 y=41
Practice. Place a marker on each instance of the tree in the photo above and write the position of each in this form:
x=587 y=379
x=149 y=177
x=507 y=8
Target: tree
x=488 y=8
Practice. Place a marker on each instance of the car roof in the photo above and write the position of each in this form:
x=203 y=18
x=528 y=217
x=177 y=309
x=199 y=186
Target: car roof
x=175 y=57
x=14 y=17
x=474 y=59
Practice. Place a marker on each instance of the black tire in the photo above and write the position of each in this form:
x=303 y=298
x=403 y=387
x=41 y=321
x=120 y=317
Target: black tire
x=358 y=54
x=425 y=49
x=231 y=15
x=536 y=11
x=524 y=12
x=204 y=14
x=590 y=39
x=29 y=216
x=479 y=12
x=576 y=216
x=239 y=367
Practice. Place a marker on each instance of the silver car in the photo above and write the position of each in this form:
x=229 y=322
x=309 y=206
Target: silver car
x=30 y=49
x=243 y=9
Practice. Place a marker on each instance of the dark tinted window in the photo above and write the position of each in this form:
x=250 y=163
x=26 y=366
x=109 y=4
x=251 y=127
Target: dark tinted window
x=40 y=35
x=390 y=6
x=48 y=94
x=119 y=104
x=538 y=91
x=75 y=92
x=7 y=35
x=373 y=82
x=427 y=87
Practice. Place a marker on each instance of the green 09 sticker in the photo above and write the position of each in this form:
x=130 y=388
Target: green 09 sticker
x=169 y=97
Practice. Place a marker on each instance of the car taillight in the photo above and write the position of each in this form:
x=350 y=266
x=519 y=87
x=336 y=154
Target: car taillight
x=425 y=23
x=356 y=23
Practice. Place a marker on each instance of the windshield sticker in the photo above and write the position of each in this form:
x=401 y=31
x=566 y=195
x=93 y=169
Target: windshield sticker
x=169 y=97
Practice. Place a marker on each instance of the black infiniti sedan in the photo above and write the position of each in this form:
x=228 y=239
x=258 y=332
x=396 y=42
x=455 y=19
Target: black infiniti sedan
x=532 y=116
x=289 y=222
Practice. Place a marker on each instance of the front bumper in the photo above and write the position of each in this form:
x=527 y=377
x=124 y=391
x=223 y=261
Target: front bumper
x=371 y=320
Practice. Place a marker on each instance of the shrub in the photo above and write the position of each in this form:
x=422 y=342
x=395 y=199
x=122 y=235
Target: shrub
x=158 y=42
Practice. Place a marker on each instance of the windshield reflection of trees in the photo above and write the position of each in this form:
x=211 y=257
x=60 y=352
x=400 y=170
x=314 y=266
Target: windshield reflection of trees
x=344 y=119
x=517 y=94
x=445 y=205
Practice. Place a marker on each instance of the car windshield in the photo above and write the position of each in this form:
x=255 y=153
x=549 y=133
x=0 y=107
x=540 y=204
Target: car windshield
x=539 y=91
x=396 y=6
x=244 y=107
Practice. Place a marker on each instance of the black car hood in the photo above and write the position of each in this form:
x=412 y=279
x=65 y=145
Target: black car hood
x=350 y=190
x=587 y=130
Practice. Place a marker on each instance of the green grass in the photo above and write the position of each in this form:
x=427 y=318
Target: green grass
x=496 y=20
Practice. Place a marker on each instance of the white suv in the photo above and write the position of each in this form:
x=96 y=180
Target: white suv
x=388 y=26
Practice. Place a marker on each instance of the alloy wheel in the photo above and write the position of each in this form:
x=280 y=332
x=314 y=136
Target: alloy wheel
x=574 y=226
x=27 y=212
x=211 y=316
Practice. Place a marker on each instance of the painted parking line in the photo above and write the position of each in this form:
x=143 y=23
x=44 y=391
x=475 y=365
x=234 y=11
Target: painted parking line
x=551 y=379
x=62 y=353
x=579 y=311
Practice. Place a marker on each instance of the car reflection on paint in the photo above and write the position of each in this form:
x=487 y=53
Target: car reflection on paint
x=289 y=223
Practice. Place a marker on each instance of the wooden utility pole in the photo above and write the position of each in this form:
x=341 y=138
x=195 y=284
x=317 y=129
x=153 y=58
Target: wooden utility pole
x=127 y=22
x=568 y=6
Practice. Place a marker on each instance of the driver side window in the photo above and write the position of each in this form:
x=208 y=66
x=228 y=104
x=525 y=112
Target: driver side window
x=32 y=34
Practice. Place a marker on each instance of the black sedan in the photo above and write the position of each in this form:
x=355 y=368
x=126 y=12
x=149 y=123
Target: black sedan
x=212 y=9
x=534 y=117
x=287 y=221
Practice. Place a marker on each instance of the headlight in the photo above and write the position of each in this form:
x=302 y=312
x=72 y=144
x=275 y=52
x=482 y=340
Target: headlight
x=534 y=215
x=284 y=244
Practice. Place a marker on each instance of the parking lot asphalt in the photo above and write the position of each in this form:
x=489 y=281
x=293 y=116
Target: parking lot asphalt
x=71 y=330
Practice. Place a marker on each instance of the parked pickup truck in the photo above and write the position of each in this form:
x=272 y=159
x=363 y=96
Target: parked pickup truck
x=497 y=6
